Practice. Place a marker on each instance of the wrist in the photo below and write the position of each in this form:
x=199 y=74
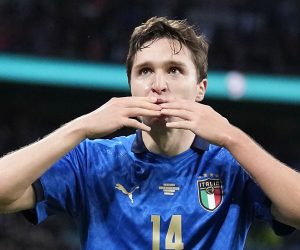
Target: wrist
x=77 y=127
x=233 y=137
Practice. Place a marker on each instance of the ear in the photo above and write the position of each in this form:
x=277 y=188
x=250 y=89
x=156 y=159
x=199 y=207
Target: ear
x=201 y=90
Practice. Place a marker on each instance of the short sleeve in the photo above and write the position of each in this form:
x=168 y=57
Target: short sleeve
x=60 y=188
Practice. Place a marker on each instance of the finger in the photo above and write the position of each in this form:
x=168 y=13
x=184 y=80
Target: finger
x=143 y=102
x=167 y=99
x=180 y=125
x=152 y=99
x=178 y=104
x=134 y=112
x=183 y=114
x=163 y=99
x=136 y=124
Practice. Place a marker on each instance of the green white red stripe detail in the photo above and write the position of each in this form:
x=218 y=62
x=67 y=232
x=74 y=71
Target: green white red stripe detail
x=210 y=193
x=211 y=201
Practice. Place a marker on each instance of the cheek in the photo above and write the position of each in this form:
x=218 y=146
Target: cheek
x=140 y=88
x=186 y=88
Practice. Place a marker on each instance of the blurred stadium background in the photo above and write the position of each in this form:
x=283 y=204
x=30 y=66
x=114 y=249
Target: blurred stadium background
x=56 y=59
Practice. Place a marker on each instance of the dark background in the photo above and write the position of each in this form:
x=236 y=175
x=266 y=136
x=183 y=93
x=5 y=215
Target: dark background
x=249 y=36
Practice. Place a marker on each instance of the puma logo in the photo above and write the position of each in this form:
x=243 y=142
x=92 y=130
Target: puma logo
x=124 y=191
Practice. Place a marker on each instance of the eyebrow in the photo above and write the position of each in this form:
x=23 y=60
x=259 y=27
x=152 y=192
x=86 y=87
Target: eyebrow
x=169 y=62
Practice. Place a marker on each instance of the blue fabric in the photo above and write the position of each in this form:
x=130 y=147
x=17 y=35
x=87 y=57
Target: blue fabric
x=83 y=184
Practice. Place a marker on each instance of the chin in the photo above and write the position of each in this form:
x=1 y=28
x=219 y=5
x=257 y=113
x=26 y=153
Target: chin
x=155 y=121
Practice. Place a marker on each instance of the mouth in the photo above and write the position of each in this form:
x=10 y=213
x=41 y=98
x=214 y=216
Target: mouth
x=160 y=101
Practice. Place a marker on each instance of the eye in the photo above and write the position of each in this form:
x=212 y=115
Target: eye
x=144 y=71
x=174 y=71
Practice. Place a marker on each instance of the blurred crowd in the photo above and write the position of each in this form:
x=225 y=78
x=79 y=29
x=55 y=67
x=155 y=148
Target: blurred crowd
x=246 y=35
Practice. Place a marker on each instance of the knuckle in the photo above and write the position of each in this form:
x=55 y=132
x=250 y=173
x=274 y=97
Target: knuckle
x=118 y=100
x=115 y=101
x=121 y=122
x=125 y=113
x=122 y=112
x=193 y=125
x=210 y=108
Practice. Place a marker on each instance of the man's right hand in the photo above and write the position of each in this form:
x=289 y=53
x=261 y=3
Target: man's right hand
x=33 y=160
x=118 y=113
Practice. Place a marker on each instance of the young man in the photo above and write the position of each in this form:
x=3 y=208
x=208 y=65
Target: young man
x=165 y=187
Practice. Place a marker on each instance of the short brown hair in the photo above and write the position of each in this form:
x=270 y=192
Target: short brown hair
x=160 y=27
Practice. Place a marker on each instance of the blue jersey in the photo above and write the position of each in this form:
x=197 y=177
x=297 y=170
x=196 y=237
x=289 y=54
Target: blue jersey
x=124 y=197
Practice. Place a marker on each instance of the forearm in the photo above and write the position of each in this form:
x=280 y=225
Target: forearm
x=19 y=169
x=279 y=182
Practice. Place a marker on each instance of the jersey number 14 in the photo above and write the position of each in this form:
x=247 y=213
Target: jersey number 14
x=173 y=239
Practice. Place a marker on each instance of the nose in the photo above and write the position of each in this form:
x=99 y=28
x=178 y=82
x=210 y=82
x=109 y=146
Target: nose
x=159 y=84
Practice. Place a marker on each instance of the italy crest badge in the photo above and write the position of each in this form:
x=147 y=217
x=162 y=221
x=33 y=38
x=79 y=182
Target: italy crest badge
x=210 y=193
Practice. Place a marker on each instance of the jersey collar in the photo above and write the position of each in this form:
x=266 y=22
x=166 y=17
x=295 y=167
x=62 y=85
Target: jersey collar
x=138 y=145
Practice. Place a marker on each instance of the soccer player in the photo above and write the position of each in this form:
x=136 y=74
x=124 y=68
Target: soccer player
x=181 y=182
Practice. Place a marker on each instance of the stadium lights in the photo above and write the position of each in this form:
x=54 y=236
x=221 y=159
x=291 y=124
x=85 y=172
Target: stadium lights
x=222 y=85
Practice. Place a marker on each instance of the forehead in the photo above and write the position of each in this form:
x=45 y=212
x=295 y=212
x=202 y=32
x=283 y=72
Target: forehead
x=161 y=50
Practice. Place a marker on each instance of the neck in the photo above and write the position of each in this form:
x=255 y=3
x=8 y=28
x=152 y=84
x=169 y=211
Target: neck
x=168 y=142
